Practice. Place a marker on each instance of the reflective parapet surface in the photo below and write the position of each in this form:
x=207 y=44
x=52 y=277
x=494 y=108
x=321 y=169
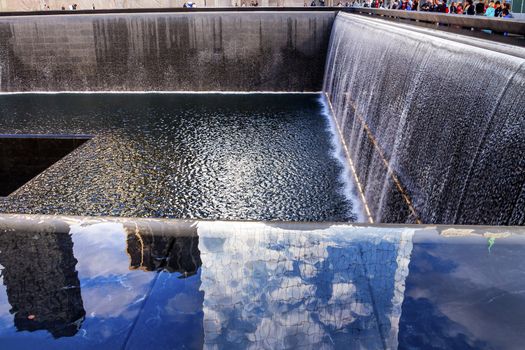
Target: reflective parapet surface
x=110 y=283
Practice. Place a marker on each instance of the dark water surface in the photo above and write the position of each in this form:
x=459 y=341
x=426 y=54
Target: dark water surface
x=213 y=156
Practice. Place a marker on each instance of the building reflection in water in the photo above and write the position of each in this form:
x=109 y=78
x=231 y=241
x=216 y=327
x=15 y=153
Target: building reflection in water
x=150 y=251
x=172 y=315
x=42 y=284
x=260 y=285
x=271 y=288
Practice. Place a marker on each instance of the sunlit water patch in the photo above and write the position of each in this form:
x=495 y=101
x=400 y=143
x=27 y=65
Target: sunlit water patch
x=212 y=156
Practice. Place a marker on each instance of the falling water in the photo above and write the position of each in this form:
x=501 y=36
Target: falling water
x=434 y=123
x=350 y=187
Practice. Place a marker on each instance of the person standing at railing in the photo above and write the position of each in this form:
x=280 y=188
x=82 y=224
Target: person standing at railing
x=459 y=8
x=480 y=8
x=441 y=6
x=497 y=9
x=506 y=14
x=506 y=6
x=490 y=12
x=469 y=8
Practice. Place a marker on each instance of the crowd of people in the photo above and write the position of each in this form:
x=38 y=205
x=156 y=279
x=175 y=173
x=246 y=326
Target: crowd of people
x=252 y=3
x=481 y=8
x=487 y=8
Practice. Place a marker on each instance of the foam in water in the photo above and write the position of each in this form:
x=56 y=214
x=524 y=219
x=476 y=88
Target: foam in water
x=349 y=188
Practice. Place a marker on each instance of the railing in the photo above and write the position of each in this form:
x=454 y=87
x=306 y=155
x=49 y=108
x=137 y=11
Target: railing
x=477 y=22
x=174 y=10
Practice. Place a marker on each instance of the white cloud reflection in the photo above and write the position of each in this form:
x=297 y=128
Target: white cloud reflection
x=109 y=287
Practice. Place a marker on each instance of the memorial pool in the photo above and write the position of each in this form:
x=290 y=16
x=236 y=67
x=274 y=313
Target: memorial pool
x=205 y=156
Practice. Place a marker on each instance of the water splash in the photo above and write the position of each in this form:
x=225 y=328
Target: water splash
x=350 y=188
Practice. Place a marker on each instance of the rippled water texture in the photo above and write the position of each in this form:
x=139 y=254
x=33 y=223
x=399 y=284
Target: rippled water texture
x=216 y=156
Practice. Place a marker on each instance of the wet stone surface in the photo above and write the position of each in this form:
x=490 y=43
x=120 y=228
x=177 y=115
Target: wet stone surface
x=213 y=156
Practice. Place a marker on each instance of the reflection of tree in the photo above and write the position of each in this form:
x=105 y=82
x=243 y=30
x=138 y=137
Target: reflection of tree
x=172 y=253
x=42 y=284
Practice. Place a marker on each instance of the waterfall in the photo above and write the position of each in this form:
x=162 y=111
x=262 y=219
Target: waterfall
x=434 y=122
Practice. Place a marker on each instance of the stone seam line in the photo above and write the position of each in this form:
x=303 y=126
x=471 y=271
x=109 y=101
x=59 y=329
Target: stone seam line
x=371 y=137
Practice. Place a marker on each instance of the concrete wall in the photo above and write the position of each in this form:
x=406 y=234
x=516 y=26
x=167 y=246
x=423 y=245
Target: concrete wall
x=39 y=5
x=274 y=51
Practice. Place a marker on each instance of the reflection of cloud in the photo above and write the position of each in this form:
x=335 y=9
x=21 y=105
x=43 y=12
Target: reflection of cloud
x=115 y=298
x=292 y=290
x=109 y=287
x=267 y=287
x=184 y=303
x=100 y=249
x=458 y=296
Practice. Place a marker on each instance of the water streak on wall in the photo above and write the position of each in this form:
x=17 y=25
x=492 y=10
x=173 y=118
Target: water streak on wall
x=270 y=51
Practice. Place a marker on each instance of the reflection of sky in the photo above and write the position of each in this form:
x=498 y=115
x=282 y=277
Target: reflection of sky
x=271 y=288
x=266 y=286
x=460 y=296
x=112 y=293
x=6 y=319
x=121 y=304
x=105 y=240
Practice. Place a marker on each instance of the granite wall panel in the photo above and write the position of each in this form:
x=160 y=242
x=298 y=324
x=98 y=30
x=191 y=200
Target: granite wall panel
x=261 y=51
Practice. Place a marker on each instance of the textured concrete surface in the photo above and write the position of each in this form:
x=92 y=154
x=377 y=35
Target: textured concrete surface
x=274 y=51
x=36 y=5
